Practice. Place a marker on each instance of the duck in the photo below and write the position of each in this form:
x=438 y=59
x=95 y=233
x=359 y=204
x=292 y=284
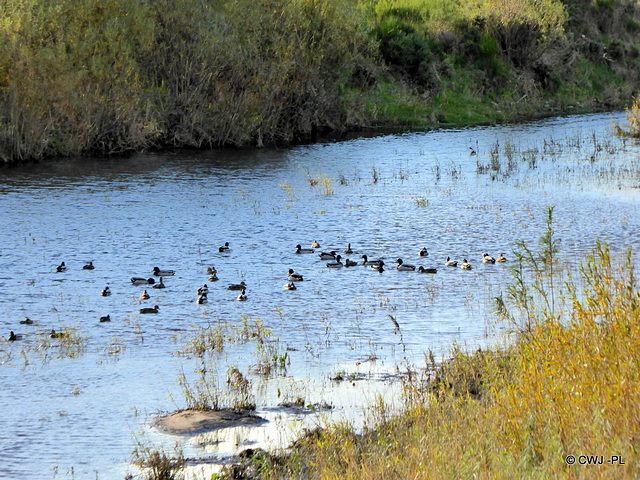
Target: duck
x=348 y=251
x=211 y=270
x=290 y=286
x=106 y=318
x=486 y=258
x=423 y=252
x=367 y=262
x=160 y=284
x=451 y=263
x=242 y=297
x=150 y=310
x=13 y=337
x=145 y=296
x=213 y=278
x=55 y=334
x=105 y=291
x=403 y=267
x=61 y=268
x=315 y=244
x=89 y=266
x=465 y=265
x=336 y=264
x=237 y=286
x=378 y=267
x=163 y=273
x=501 y=258
x=299 y=249
x=225 y=248
x=350 y=263
x=427 y=270
x=26 y=321
x=328 y=255
x=202 y=298
x=203 y=289
x=294 y=277
x=143 y=281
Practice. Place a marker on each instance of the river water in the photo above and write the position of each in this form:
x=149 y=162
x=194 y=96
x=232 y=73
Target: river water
x=75 y=409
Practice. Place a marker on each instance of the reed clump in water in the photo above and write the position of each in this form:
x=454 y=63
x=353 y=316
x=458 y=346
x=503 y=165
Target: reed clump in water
x=568 y=384
x=156 y=463
x=202 y=390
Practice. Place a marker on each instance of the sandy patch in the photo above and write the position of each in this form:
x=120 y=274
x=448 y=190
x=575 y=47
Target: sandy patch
x=192 y=422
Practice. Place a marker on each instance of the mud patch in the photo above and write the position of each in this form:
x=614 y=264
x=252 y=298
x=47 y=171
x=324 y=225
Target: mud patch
x=193 y=422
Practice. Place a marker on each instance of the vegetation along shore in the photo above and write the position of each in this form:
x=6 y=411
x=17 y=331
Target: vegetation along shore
x=108 y=77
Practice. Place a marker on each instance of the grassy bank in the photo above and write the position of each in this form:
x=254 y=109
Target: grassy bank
x=107 y=77
x=569 y=384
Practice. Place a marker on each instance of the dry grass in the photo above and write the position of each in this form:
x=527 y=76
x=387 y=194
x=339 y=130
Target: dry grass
x=633 y=121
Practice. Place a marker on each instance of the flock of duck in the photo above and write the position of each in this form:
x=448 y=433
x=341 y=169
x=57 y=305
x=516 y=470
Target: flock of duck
x=334 y=260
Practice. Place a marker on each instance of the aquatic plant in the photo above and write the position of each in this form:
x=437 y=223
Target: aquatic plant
x=421 y=201
x=270 y=359
x=157 y=464
x=239 y=389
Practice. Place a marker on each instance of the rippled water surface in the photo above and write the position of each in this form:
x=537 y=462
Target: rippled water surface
x=70 y=412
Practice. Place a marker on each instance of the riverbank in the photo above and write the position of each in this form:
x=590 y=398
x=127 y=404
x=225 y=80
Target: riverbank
x=560 y=401
x=84 y=78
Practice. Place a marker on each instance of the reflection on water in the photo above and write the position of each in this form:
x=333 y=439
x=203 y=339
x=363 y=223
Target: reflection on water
x=388 y=197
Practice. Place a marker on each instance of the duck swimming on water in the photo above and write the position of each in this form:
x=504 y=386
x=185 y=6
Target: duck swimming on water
x=13 y=337
x=294 y=277
x=427 y=270
x=403 y=267
x=328 y=255
x=150 y=310
x=486 y=258
x=336 y=264
x=367 y=262
x=237 y=286
x=301 y=250
x=163 y=273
